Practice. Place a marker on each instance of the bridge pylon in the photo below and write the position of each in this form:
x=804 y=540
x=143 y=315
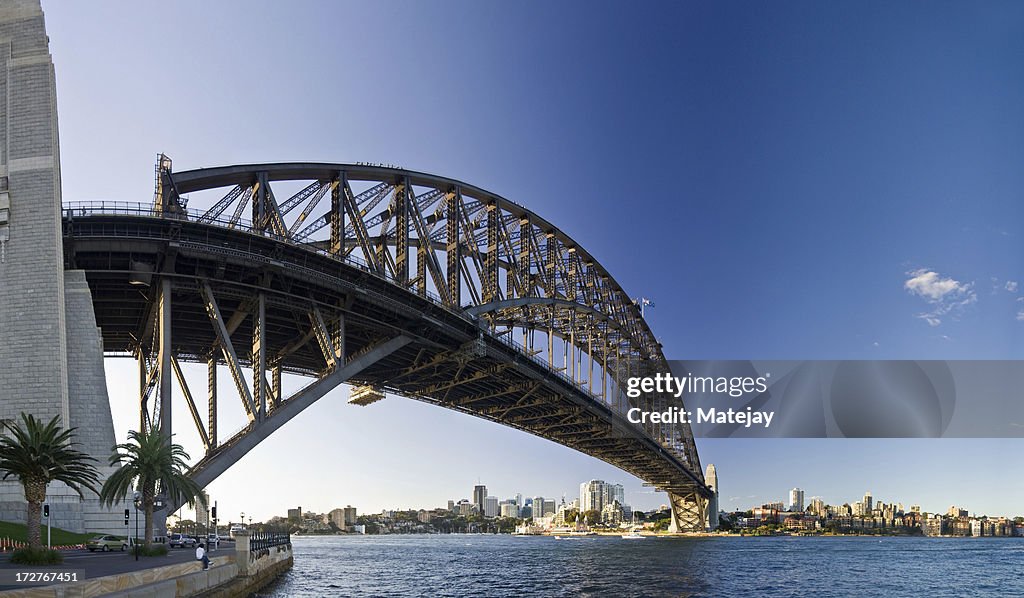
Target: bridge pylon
x=688 y=512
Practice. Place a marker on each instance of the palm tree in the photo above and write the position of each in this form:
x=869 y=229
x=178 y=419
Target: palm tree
x=153 y=465
x=38 y=454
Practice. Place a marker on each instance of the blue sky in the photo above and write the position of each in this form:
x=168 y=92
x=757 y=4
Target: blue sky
x=786 y=180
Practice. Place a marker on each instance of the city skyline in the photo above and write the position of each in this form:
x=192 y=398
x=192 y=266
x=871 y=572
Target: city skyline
x=794 y=213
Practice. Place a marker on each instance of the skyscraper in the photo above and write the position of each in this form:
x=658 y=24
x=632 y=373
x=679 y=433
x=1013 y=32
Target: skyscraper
x=796 y=500
x=592 y=495
x=491 y=507
x=479 y=494
x=596 y=494
x=711 y=479
x=867 y=503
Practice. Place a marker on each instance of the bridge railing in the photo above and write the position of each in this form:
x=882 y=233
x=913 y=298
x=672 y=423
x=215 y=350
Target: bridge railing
x=123 y=208
x=263 y=540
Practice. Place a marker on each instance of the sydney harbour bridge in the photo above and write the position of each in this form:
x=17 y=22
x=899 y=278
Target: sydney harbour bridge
x=389 y=280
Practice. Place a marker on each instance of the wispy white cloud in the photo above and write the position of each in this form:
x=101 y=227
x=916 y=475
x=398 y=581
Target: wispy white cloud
x=1020 y=316
x=1011 y=285
x=944 y=295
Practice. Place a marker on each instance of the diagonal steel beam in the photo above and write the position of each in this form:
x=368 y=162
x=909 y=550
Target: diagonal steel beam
x=323 y=336
x=228 y=350
x=231 y=451
x=191 y=402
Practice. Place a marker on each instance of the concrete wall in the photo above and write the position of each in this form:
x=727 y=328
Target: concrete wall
x=226 y=578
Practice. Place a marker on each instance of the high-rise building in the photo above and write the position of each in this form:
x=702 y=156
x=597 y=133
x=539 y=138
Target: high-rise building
x=711 y=479
x=509 y=509
x=796 y=500
x=867 y=503
x=295 y=513
x=491 y=506
x=616 y=493
x=537 y=506
x=203 y=513
x=479 y=494
x=549 y=507
x=451 y=505
x=592 y=495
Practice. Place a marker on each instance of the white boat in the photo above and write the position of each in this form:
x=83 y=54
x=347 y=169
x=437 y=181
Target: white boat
x=632 y=535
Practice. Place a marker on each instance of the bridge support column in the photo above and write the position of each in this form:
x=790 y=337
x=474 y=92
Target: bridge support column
x=259 y=357
x=211 y=383
x=689 y=512
x=164 y=357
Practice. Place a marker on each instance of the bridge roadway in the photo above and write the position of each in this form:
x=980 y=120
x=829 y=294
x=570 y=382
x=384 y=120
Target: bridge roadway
x=259 y=298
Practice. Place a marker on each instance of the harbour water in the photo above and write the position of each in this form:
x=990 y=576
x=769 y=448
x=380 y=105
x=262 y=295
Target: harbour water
x=481 y=565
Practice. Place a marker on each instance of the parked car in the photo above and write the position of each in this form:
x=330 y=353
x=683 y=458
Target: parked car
x=212 y=541
x=106 y=543
x=182 y=541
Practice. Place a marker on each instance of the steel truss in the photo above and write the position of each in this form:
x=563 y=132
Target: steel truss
x=515 y=322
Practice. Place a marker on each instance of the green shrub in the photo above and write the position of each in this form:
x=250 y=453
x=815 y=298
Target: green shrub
x=154 y=550
x=31 y=556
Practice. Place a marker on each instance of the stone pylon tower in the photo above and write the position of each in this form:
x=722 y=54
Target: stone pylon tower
x=51 y=354
x=711 y=479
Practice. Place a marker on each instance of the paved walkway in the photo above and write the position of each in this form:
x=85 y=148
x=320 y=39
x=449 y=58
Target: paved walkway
x=100 y=564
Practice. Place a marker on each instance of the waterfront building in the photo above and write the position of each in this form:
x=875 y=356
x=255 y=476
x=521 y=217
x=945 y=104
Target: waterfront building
x=611 y=514
x=595 y=494
x=509 y=509
x=295 y=513
x=451 y=506
x=549 y=508
x=796 y=500
x=867 y=505
x=592 y=496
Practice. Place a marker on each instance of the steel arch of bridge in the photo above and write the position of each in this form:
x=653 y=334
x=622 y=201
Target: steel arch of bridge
x=387 y=279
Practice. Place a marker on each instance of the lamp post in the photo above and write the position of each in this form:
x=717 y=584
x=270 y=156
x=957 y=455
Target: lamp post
x=135 y=501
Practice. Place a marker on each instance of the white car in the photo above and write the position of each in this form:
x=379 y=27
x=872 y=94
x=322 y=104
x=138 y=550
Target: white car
x=212 y=541
x=183 y=541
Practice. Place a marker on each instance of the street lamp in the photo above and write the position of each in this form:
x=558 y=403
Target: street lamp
x=135 y=501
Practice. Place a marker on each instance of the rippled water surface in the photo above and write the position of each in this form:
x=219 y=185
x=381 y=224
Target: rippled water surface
x=475 y=565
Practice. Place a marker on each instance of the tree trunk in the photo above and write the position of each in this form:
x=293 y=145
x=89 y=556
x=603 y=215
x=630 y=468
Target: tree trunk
x=35 y=494
x=148 y=497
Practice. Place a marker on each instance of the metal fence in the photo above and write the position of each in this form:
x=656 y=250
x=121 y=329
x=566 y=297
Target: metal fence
x=260 y=540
